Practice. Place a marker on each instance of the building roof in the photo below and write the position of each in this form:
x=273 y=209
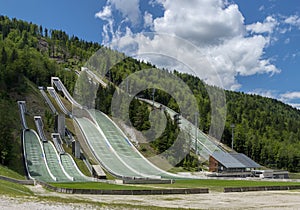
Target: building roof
x=245 y=160
x=227 y=160
x=234 y=160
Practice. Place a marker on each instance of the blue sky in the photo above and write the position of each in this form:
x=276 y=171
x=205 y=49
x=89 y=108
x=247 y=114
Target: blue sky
x=250 y=46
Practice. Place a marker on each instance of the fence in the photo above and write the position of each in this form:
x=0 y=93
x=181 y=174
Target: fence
x=263 y=188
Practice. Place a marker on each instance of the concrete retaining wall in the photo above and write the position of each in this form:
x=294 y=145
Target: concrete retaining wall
x=148 y=181
x=264 y=188
x=23 y=182
x=134 y=192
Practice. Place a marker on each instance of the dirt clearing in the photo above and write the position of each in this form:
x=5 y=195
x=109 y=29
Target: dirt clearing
x=213 y=200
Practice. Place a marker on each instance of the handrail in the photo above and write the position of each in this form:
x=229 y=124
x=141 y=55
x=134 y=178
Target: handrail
x=93 y=75
x=53 y=93
x=60 y=86
x=25 y=156
x=22 y=114
x=57 y=142
x=51 y=106
x=39 y=126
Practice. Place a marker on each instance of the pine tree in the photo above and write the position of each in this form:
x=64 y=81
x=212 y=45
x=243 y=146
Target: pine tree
x=3 y=56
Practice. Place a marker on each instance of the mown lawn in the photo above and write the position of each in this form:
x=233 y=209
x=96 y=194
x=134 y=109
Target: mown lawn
x=12 y=189
x=100 y=186
x=294 y=175
x=214 y=185
x=4 y=171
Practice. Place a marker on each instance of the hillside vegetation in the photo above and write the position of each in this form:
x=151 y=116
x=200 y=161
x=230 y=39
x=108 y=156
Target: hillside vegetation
x=265 y=129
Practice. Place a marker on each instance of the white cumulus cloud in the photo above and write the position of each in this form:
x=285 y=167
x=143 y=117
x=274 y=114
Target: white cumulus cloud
x=200 y=21
x=107 y=29
x=105 y=13
x=293 y=20
x=290 y=95
x=267 y=26
x=130 y=9
x=291 y=98
x=148 y=20
x=207 y=36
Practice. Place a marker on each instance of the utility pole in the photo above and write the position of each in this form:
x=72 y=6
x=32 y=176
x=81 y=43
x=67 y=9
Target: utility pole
x=232 y=135
x=153 y=92
x=127 y=88
x=196 y=131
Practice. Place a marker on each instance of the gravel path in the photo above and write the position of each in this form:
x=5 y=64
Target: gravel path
x=214 y=200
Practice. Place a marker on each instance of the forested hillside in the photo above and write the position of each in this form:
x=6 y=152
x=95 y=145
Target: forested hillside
x=30 y=53
x=265 y=129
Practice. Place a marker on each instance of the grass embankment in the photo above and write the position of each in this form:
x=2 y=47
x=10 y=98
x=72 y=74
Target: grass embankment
x=12 y=189
x=13 y=158
x=4 y=171
x=294 y=175
x=101 y=186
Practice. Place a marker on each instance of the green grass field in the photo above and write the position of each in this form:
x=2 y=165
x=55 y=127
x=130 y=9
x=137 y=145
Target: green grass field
x=101 y=186
x=4 y=171
x=12 y=189
x=294 y=175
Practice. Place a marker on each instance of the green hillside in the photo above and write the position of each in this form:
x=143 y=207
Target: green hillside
x=265 y=129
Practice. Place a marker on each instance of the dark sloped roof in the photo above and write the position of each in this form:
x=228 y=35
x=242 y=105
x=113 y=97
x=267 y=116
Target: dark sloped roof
x=234 y=160
x=245 y=160
x=227 y=160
